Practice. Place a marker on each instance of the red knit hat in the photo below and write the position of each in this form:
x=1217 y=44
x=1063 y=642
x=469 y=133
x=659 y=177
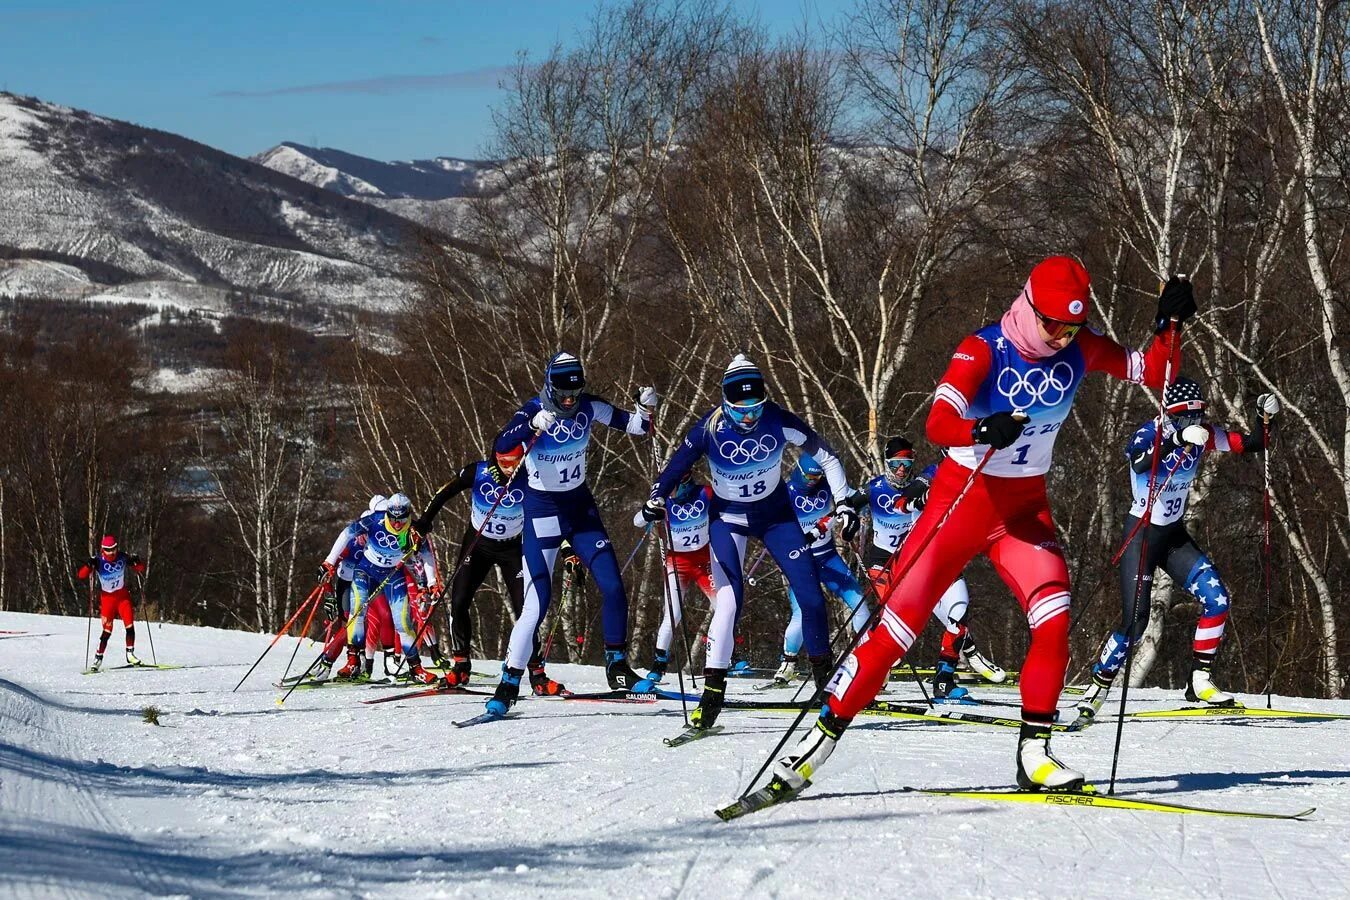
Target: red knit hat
x=1058 y=289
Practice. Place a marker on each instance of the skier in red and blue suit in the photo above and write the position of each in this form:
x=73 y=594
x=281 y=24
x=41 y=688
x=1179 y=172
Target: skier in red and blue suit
x=1007 y=391
x=111 y=566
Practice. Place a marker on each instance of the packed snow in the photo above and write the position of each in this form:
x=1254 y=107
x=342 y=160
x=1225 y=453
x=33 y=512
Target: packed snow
x=233 y=796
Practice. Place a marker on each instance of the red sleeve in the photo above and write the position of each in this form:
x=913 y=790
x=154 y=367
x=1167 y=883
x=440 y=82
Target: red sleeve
x=83 y=573
x=947 y=423
x=1101 y=354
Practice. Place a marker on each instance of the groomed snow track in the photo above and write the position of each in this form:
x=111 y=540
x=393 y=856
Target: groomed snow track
x=234 y=797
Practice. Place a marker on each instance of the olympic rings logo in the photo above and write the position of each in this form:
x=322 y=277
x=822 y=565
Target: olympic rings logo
x=810 y=504
x=573 y=429
x=757 y=449
x=387 y=540
x=500 y=496
x=888 y=502
x=683 y=512
x=1186 y=462
x=1047 y=387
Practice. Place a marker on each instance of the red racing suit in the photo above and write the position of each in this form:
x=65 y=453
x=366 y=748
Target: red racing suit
x=1005 y=514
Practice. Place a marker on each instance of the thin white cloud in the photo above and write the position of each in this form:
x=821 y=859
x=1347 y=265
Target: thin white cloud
x=488 y=77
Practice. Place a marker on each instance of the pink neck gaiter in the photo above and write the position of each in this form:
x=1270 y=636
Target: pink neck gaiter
x=1020 y=327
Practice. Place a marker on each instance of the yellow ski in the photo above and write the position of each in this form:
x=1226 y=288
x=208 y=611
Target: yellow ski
x=1090 y=797
x=1189 y=712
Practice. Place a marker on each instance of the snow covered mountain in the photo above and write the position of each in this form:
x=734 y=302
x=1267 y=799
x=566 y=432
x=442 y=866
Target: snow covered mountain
x=97 y=208
x=359 y=176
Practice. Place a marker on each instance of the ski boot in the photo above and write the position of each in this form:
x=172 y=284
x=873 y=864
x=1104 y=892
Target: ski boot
x=1200 y=689
x=1037 y=767
x=621 y=675
x=660 y=660
x=981 y=664
x=367 y=666
x=353 y=668
x=507 y=693
x=710 y=704
x=793 y=772
x=98 y=662
x=543 y=686
x=822 y=670
x=787 y=672
x=323 y=669
x=944 y=683
x=419 y=675
x=458 y=674
x=133 y=661
x=1091 y=702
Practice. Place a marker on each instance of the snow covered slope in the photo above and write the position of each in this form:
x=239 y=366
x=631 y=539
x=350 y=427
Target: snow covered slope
x=328 y=797
x=120 y=204
x=359 y=176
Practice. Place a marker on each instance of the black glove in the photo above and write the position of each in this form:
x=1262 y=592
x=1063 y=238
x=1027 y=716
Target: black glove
x=654 y=510
x=422 y=526
x=1177 y=301
x=326 y=572
x=915 y=493
x=999 y=430
x=330 y=607
x=848 y=520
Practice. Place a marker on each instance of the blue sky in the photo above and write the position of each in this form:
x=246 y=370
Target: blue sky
x=397 y=79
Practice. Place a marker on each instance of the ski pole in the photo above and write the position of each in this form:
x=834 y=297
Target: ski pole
x=750 y=576
x=149 y=629
x=671 y=589
x=468 y=551
x=1145 y=522
x=304 y=631
x=312 y=598
x=1265 y=514
x=876 y=613
x=89 y=626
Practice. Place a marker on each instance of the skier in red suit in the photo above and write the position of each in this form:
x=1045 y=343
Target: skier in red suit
x=1008 y=388
x=115 y=597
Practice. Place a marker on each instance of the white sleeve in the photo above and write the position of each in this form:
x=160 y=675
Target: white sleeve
x=428 y=563
x=338 y=546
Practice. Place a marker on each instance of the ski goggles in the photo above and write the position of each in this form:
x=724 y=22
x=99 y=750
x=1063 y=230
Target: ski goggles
x=744 y=415
x=566 y=398
x=1056 y=328
x=1183 y=419
x=900 y=466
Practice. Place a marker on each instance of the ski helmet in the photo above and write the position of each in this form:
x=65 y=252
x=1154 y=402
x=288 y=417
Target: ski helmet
x=1184 y=402
x=508 y=460
x=1058 y=290
x=810 y=470
x=109 y=545
x=564 y=381
x=377 y=503
x=398 y=512
x=685 y=487
x=743 y=394
x=899 y=460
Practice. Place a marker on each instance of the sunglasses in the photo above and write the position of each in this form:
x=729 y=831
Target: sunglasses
x=1057 y=329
